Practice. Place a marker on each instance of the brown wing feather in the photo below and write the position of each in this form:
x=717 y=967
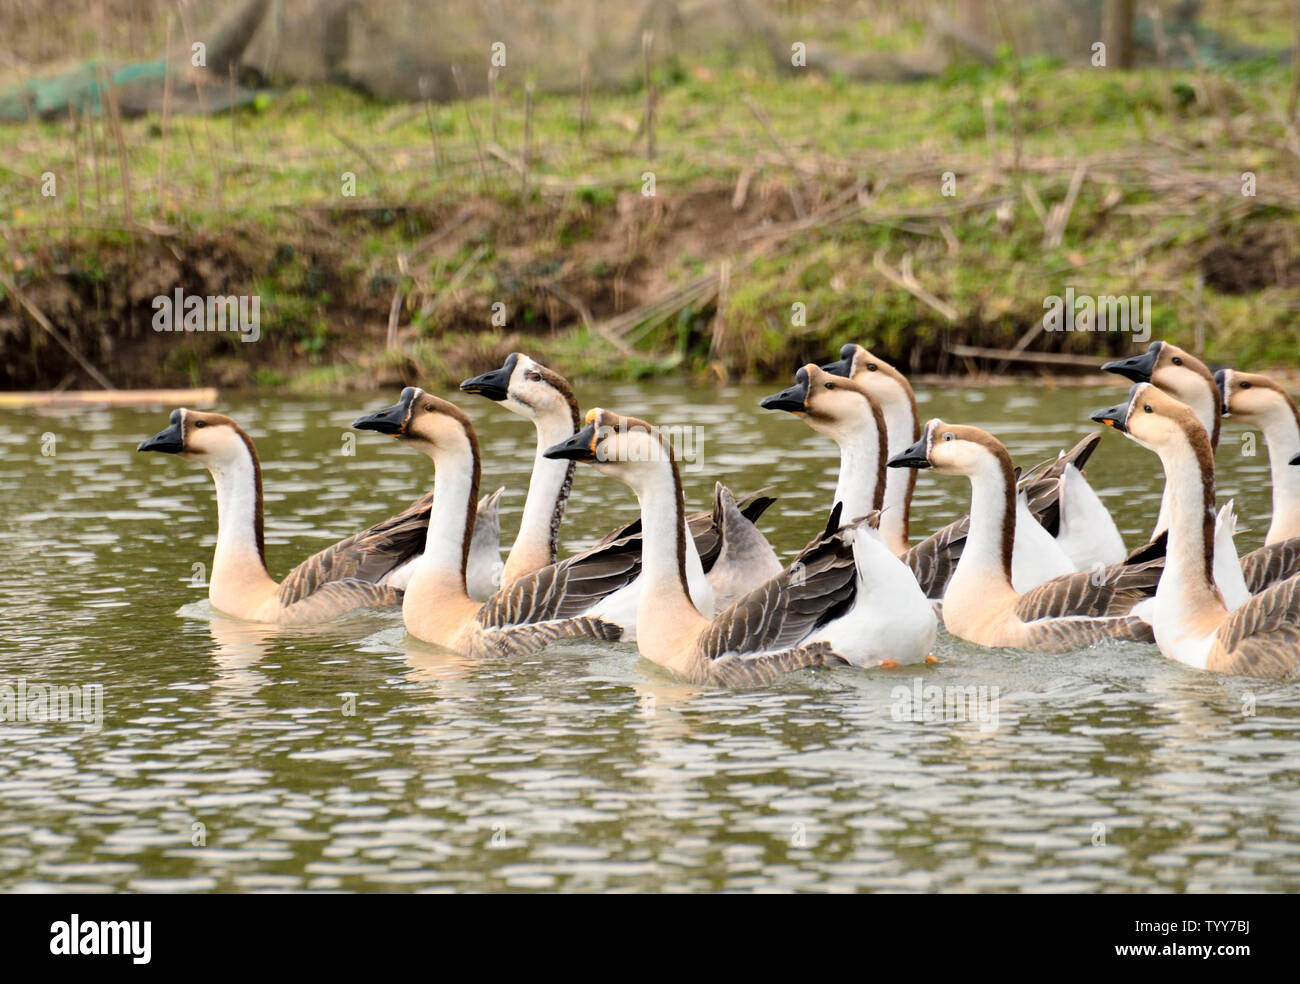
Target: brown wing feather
x=566 y=589
x=365 y=556
x=1108 y=593
x=933 y=560
x=338 y=598
x=1262 y=637
x=523 y=640
x=750 y=671
x=1266 y=566
x=818 y=586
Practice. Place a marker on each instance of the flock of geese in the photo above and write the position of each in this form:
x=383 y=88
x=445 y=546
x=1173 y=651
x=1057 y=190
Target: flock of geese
x=1037 y=564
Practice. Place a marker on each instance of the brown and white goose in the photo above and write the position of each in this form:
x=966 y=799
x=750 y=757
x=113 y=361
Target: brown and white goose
x=1187 y=379
x=785 y=624
x=981 y=604
x=1255 y=399
x=1192 y=624
x=549 y=604
x=726 y=553
x=1069 y=509
x=349 y=575
x=844 y=409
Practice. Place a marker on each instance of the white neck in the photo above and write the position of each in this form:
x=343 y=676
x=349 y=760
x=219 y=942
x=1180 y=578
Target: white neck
x=982 y=558
x=237 y=556
x=535 y=545
x=1205 y=406
x=1282 y=434
x=900 y=428
x=1187 y=583
x=453 y=492
x=859 y=471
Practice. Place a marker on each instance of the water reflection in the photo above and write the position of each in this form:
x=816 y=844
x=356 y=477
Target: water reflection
x=352 y=757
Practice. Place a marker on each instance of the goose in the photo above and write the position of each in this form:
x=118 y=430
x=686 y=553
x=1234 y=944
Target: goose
x=1256 y=400
x=844 y=410
x=1082 y=526
x=344 y=577
x=1192 y=624
x=549 y=604
x=809 y=615
x=533 y=391
x=483 y=571
x=1188 y=380
x=981 y=603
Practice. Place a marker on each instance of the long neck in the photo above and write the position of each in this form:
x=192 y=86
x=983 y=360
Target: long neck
x=1205 y=403
x=992 y=521
x=240 y=552
x=451 y=518
x=1282 y=432
x=1188 y=577
x=901 y=429
x=860 y=487
x=537 y=543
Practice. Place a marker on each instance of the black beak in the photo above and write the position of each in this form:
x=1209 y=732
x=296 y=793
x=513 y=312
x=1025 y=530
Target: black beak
x=391 y=420
x=1221 y=381
x=169 y=441
x=580 y=447
x=1296 y=460
x=913 y=457
x=845 y=366
x=794 y=399
x=1112 y=416
x=1138 y=368
x=495 y=385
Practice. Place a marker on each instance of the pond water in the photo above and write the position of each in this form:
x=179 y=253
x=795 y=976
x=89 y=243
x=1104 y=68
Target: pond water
x=226 y=760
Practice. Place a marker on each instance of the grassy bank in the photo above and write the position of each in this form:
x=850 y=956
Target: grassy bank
x=788 y=216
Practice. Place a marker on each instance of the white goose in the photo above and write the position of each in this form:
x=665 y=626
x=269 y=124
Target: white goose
x=730 y=554
x=845 y=410
x=1081 y=525
x=981 y=604
x=1187 y=379
x=815 y=613
x=1192 y=623
x=349 y=575
x=555 y=602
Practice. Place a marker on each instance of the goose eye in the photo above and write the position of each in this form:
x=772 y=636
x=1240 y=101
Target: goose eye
x=200 y=423
x=1177 y=361
x=429 y=407
x=948 y=436
x=533 y=375
x=1147 y=407
x=871 y=367
x=829 y=386
x=1244 y=386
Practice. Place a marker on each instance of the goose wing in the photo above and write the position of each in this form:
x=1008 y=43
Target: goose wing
x=523 y=640
x=753 y=669
x=1041 y=483
x=933 y=560
x=816 y=588
x=365 y=556
x=1109 y=592
x=1262 y=637
x=567 y=589
x=1267 y=566
x=336 y=598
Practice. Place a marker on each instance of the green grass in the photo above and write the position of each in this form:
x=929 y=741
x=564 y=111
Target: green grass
x=268 y=192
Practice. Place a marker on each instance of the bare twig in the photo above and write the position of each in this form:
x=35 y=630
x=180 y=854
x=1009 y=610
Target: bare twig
x=39 y=317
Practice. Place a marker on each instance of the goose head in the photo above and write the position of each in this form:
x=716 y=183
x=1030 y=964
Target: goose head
x=839 y=407
x=1152 y=418
x=429 y=424
x=524 y=386
x=625 y=448
x=209 y=438
x=1252 y=397
x=955 y=449
x=885 y=383
x=1178 y=373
